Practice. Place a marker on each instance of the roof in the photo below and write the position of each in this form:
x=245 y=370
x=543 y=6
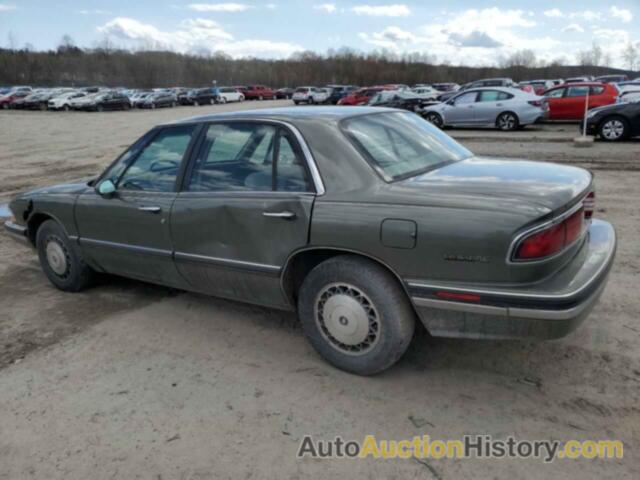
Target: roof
x=287 y=114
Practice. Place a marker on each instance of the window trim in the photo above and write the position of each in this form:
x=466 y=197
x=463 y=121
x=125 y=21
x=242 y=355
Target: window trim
x=316 y=183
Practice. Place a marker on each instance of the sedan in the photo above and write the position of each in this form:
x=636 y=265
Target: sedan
x=504 y=108
x=229 y=94
x=363 y=220
x=615 y=122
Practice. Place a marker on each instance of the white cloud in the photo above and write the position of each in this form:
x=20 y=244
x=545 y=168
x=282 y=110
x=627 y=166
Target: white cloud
x=5 y=7
x=395 y=10
x=586 y=15
x=271 y=6
x=194 y=35
x=219 y=7
x=614 y=35
x=621 y=14
x=326 y=7
x=573 y=27
x=553 y=13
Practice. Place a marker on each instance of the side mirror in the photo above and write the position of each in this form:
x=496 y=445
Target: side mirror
x=106 y=188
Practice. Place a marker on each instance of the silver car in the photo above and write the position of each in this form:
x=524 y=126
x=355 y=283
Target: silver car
x=502 y=107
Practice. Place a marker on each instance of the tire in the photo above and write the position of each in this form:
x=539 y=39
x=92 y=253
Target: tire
x=242 y=98
x=311 y=101
x=296 y=102
x=508 y=122
x=435 y=119
x=212 y=101
x=60 y=260
x=613 y=129
x=223 y=100
x=43 y=107
x=362 y=292
x=196 y=103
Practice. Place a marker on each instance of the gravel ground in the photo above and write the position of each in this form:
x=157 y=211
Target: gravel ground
x=129 y=380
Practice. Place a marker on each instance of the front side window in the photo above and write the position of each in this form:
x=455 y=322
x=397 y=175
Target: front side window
x=577 y=91
x=469 y=97
x=401 y=145
x=240 y=157
x=490 y=96
x=156 y=168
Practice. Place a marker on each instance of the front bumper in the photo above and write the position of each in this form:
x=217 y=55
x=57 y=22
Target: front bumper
x=17 y=232
x=549 y=309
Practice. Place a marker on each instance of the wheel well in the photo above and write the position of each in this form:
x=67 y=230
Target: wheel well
x=300 y=264
x=34 y=223
x=508 y=111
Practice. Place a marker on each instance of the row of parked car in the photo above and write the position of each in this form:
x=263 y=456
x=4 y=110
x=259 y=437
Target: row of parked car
x=99 y=98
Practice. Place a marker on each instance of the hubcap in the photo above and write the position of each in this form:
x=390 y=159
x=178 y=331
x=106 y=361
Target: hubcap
x=507 y=122
x=613 y=129
x=57 y=257
x=347 y=318
x=435 y=119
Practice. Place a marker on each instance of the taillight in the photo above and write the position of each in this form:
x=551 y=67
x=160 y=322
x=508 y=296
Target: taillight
x=535 y=103
x=589 y=204
x=553 y=239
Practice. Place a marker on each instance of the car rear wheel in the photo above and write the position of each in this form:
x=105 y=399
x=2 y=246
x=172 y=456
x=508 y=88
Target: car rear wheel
x=507 y=121
x=434 y=118
x=355 y=314
x=223 y=100
x=613 y=129
x=61 y=262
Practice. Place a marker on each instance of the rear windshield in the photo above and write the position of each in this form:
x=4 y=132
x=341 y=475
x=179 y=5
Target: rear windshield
x=400 y=145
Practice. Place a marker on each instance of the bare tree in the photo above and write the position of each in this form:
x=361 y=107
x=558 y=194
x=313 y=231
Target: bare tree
x=631 y=56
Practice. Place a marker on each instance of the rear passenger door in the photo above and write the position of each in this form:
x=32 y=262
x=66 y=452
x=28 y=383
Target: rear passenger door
x=490 y=103
x=245 y=206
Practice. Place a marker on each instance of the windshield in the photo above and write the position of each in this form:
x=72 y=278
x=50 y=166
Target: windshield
x=400 y=145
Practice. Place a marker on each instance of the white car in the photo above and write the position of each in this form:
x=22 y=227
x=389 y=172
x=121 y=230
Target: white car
x=63 y=101
x=79 y=102
x=426 y=92
x=310 y=95
x=501 y=107
x=229 y=94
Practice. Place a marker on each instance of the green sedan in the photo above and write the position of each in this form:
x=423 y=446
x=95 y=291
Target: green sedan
x=363 y=220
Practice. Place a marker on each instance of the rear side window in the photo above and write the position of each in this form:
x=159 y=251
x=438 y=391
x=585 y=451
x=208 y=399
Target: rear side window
x=400 y=145
x=596 y=90
x=494 y=96
x=248 y=157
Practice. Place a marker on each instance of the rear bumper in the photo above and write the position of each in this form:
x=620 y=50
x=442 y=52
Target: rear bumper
x=550 y=309
x=17 y=232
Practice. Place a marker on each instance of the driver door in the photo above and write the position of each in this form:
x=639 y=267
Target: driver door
x=127 y=233
x=462 y=109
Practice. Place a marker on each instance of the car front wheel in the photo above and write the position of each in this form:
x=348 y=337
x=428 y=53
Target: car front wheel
x=355 y=314
x=507 y=122
x=613 y=129
x=61 y=262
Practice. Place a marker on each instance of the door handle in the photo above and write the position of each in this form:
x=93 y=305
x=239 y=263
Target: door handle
x=150 y=209
x=284 y=215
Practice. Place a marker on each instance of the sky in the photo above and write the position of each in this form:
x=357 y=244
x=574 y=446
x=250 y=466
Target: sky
x=460 y=32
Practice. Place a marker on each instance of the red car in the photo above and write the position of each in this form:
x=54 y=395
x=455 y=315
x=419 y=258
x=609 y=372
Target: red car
x=360 y=97
x=567 y=102
x=258 y=92
x=7 y=101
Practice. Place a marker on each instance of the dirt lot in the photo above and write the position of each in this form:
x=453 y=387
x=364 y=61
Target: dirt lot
x=130 y=381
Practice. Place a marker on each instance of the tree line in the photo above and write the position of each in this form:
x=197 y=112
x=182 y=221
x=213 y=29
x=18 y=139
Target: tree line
x=69 y=65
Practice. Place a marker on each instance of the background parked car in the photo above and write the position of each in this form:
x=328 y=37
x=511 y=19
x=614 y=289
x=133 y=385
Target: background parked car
x=108 y=101
x=611 y=78
x=7 y=101
x=567 y=102
x=584 y=78
x=615 y=122
x=285 y=93
x=159 y=99
x=202 y=96
x=337 y=92
x=229 y=94
x=446 y=87
x=138 y=98
x=629 y=95
x=63 y=101
x=402 y=99
x=360 y=97
x=539 y=86
x=491 y=82
x=259 y=92
x=504 y=108
x=310 y=95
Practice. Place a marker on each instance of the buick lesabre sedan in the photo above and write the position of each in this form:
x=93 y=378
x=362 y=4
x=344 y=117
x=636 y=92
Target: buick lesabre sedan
x=364 y=220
